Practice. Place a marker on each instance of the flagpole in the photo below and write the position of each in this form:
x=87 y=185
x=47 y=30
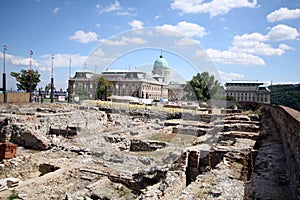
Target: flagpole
x=30 y=73
x=52 y=80
x=69 y=89
x=4 y=76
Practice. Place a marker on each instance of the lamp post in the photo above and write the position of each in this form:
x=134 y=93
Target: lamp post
x=69 y=83
x=30 y=74
x=4 y=76
x=52 y=80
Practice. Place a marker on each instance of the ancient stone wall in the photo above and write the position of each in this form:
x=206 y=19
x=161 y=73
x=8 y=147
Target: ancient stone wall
x=288 y=123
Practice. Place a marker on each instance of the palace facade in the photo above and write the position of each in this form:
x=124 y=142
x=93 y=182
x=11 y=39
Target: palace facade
x=154 y=86
x=248 y=91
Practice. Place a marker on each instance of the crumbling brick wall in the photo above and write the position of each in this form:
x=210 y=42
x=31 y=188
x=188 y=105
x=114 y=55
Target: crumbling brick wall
x=7 y=150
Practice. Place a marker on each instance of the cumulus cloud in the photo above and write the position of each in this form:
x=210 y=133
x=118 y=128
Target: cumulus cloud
x=255 y=43
x=214 y=7
x=186 y=42
x=19 y=61
x=186 y=28
x=136 y=24
x=110 y=8
x=116 y=9
x=228 y=76
x=235 y=58
x=246 y=48
x=282 y=14
x=84 y=37
x=282 y=32
x=63 y=60
x=124 y=41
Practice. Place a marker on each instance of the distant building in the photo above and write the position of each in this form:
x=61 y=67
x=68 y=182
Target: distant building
x=153 y=86
x=134 y=83
x=82 y=86
x=248 y=91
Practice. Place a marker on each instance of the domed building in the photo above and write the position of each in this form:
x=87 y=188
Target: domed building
x=132 y=83
x=161 y=68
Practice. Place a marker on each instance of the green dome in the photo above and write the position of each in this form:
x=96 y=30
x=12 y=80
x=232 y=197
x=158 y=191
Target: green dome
x=160 y=63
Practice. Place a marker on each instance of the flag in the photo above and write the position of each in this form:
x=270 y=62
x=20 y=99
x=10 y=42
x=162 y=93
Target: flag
x=31 y=52
x=4 y=47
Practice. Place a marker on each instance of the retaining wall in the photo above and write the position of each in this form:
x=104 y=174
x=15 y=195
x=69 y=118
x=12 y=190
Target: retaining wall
x=288 y=123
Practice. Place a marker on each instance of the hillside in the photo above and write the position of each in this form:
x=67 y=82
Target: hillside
x=287 y=95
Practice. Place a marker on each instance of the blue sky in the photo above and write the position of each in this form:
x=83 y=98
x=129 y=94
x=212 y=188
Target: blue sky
x=246 y=40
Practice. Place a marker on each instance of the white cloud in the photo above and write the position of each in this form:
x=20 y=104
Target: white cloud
x=214 y=7
x=124 y=41
x=126 y=12
x=113 y=42
x=82 y=37
x=186 y=28
x=253 y=37
x=99 y=52
x=282 y=14
x=19 y=61
x=157 y=16
x=136 y=24
x=282 y=32
x=246 y=48
x=112 y=7
x=62 y=60
x=56 y=10
x=186 y=42
x=44 y=62
x=98 y=25
x=116 y=9
x=285 y=47
x=225 y=76
x=232 y=57
x=253 y=43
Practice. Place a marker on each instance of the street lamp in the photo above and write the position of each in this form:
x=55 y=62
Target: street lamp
x=30 y=74
x=4 y=76
x=52 y=80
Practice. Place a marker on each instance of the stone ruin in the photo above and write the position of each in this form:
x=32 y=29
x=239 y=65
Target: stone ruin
x=93 y=152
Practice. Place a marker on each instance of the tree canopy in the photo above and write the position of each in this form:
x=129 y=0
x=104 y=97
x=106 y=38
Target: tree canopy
x=23 y=79
x=287 y=95
x=104 y=88
x=202 y=87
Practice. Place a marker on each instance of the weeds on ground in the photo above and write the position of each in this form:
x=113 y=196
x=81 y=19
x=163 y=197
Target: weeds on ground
x=14 y=195
x=164 y=137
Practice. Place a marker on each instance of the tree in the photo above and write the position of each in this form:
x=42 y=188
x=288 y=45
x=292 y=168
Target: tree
x=202 y=87
x=286 y=95
x=104 y=88
x=23 y=78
